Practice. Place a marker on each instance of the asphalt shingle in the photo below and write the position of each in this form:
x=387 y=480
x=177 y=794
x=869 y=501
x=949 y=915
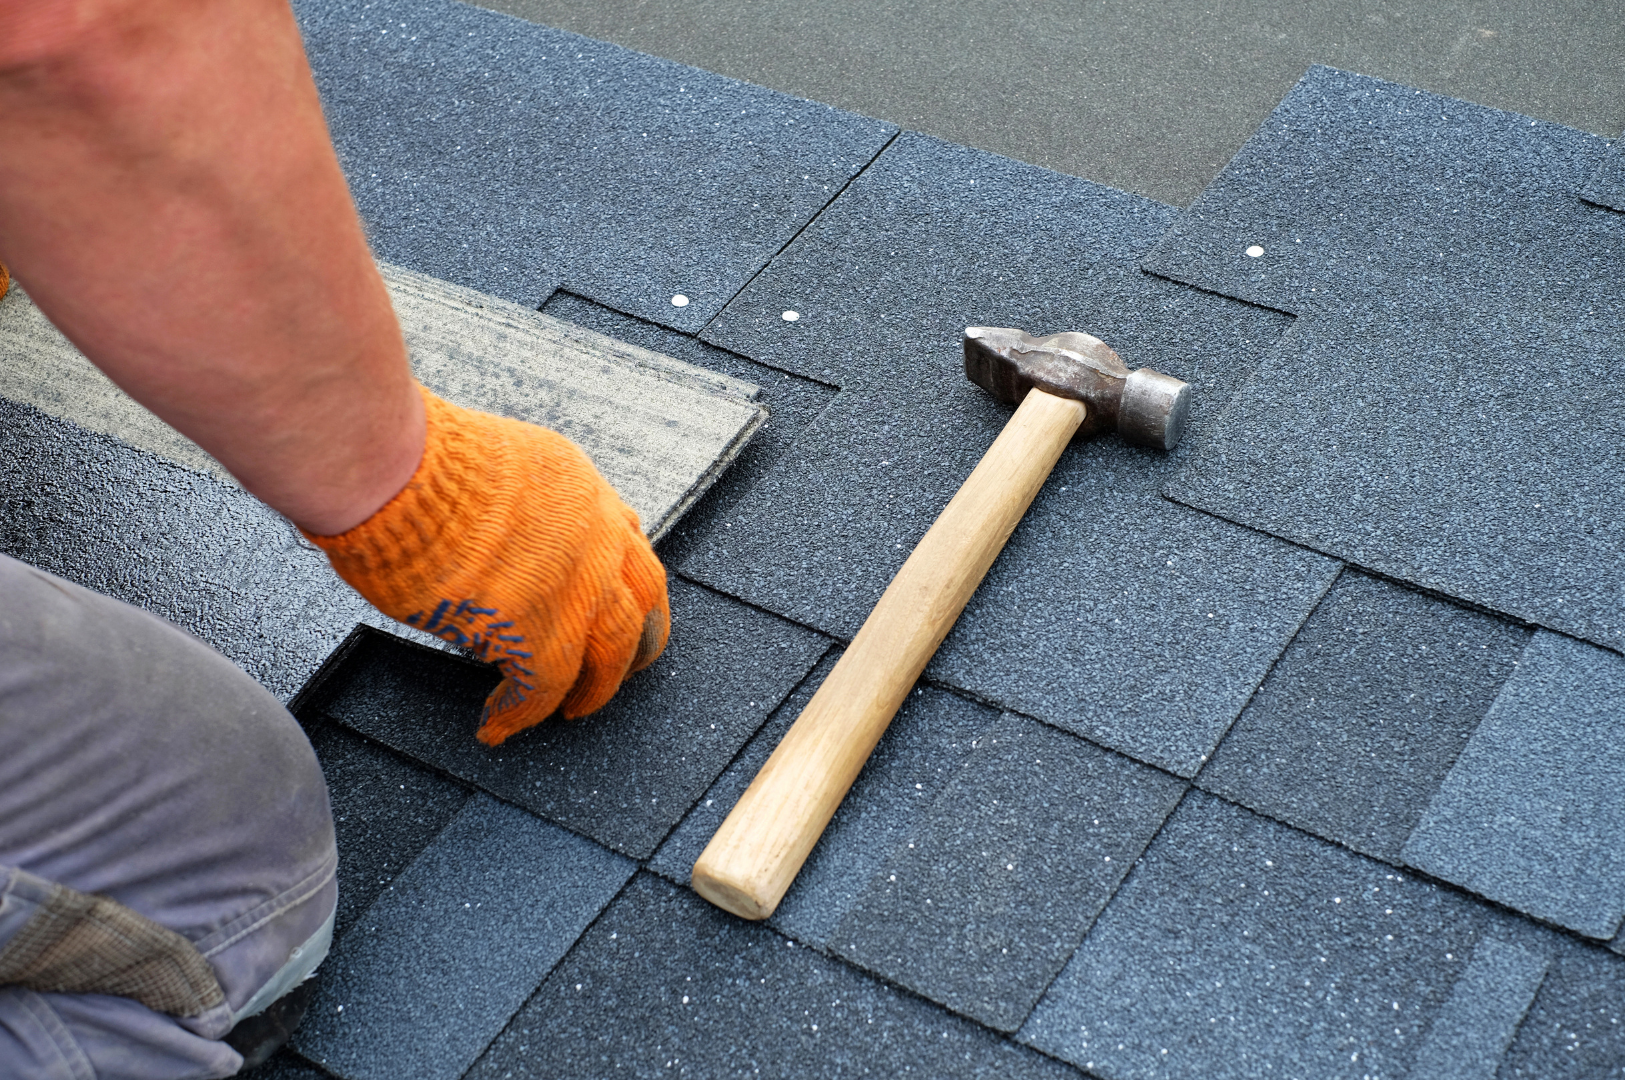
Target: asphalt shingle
x=1006 y=871
x=386 y=810
x=1531 y=813
x=1472 y=1030
x=1239 y=947
x=793 y=402
x=663 y=984
x=1361 y=718
x=510 y=157
x=1607 y=185
x=623 y=776
x=927 y=743
x=450 y=951
x=1154 y=624
x=1575 y=1030
x=1444 y=411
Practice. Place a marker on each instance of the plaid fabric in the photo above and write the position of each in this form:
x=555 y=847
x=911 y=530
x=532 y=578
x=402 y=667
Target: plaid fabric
x=82 y=944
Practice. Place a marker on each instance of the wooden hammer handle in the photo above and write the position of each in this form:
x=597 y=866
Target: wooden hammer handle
x=751 y=861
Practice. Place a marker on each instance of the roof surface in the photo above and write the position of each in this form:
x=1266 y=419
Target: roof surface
x=1276 y=756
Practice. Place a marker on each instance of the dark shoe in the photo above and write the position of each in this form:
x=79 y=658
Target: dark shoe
x=258 y=1037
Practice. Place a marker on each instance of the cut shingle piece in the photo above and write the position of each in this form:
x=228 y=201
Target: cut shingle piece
x=664 y=984
x=1575 y=1029
x=1239 y=947
x=1361 y=718
x=793 y=402
x=1532 y=811
x=624 y=775
x=440 y=961
x=386 y=810
x=927 y=743
x=1006 y=871
x=1607 y=185
x=510 y=157
x=660 y=431
x=1445 y=411
x=1112 y=613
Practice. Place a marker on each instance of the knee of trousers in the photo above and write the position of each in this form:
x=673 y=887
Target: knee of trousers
x=138 y=764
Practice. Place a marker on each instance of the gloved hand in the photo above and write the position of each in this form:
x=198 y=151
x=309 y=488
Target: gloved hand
x=508 y=542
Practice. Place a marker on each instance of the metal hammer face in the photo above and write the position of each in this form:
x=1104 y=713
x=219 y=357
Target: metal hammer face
x=1145 y=407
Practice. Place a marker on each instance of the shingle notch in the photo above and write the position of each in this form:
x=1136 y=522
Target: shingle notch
x=1606 y=187
x=624 y=775
x=1239 y=947
x=1007 y=871
x=664 y=984
x=1445 y=411
x=511 y=157
x=923 y=749
x=1532 y=812
x=1361 y=718
x=1112 y=613
x=441 y=961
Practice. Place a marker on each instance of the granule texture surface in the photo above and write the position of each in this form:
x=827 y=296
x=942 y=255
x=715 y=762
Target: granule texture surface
x=1606 y=187
x=1575 y=1029
x=1532 y=812
x=436 y=966
x=1239 y=948
x=623 y=776
x=1445 y=411
x=1112 y=613
x=1470 y=1033
x=1006 y=870
x=1361 y=718
x=386 y=810
x=512 y=158
x=666 y=985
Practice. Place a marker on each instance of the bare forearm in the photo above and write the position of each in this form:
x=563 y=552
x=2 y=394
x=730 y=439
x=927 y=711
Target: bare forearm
x=169 y=197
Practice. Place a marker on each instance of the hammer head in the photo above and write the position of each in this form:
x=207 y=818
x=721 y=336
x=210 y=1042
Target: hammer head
x=1144 y=407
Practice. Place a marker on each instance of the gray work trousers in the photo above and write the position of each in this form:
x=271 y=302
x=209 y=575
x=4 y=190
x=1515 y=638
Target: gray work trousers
x=139 y=764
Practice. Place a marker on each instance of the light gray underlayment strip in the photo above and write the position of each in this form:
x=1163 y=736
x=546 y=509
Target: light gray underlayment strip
x=660 y=431
x=1474 y=1027
x=1532 y=811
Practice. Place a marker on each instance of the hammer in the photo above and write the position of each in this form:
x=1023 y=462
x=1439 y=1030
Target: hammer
x=1064 y=383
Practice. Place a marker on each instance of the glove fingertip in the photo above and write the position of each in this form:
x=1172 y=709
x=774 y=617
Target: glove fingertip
x=656 y=632
x=508 y=713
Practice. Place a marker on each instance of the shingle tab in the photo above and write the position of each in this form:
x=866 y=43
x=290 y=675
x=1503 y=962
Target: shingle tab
x=793 y=402
x=511 y=157
x=1606 y=187
x=1006 y=871
x=666 y=985
x=1361 y=718
x=624 y=775
x=1532 y=811
x=1575 y=1030
x=386 y=810
x=927 y=743
x=1239 y=947
x=1112 y=613
x=440 y=962
x=1444 y=410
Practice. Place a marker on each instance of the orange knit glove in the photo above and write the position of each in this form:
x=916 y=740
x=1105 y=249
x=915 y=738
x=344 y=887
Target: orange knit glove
x=507 y=541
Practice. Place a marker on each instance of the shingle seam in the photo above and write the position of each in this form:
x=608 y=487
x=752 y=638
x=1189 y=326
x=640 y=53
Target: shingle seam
x=574 y=945
x=695 y=336
x=809 y=223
